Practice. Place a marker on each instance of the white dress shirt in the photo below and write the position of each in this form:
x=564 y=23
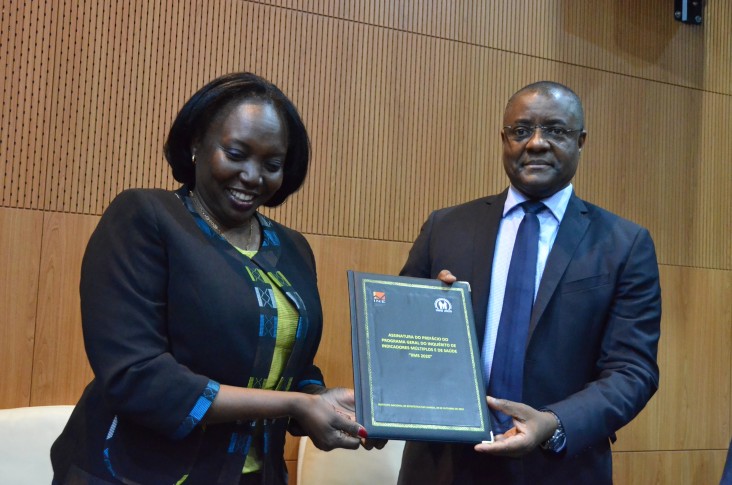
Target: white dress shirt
x=549 y=221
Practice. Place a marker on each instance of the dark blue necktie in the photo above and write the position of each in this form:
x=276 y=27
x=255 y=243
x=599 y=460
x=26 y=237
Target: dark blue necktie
x=507 y=369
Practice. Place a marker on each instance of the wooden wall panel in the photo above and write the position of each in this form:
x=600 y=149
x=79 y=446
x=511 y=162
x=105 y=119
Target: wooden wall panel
x=25 y=38
x=292 y=468
x=404 y=111
x=291 y=446
x=334 y=256
x=666 y=186
x=669 y=467
x=403 y=101
x=694 y=358
x=60 y=367
x=20 y=243
x=620 y=36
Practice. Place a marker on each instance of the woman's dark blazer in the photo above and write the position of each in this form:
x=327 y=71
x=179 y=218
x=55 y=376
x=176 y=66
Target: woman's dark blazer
x=168 y=313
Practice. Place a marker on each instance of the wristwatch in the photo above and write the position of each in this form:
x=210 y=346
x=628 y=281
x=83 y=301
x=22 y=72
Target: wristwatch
x=558 y=441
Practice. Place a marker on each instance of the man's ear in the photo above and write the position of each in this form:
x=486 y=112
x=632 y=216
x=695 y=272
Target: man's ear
x=582 y=139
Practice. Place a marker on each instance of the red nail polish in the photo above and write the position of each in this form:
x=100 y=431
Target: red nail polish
x=362 y=433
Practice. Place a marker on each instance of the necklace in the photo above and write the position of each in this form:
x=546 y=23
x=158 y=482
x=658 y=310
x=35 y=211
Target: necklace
x=215 y=226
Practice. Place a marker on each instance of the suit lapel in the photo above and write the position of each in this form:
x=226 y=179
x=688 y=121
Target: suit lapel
x=484 y=246
x=571 y=231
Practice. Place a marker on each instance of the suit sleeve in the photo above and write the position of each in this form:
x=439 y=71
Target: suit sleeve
x=124 y=306
x=418 y=263
x=627 y=371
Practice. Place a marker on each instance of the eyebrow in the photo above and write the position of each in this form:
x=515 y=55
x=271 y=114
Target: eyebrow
x=550 y=122
x=235 y=142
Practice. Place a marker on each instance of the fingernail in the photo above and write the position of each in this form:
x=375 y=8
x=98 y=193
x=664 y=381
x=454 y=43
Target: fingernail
x=362 y=433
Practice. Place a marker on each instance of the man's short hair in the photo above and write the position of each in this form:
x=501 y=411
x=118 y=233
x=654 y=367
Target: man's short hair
x=551 y=88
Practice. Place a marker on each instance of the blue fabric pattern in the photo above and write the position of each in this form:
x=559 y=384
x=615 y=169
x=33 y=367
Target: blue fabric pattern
x=270 y=238
x=309 y=382
x=199 y=409
x=268 y=326
x=240 y=443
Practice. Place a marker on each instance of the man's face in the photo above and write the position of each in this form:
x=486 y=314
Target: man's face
x=538 y=165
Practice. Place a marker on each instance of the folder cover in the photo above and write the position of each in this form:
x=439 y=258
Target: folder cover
x=417 y=372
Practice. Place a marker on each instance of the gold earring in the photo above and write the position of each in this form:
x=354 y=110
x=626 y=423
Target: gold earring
x=193 y=159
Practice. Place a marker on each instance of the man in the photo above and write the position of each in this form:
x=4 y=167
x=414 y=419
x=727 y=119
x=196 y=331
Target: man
x=585 y=362
x=727 y=472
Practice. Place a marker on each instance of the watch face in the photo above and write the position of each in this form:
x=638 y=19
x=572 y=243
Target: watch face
x=556 y=442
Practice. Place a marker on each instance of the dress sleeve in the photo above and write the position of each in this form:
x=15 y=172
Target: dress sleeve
x=124 y=317
x=311 y=375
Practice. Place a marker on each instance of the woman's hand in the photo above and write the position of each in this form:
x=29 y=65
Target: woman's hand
x=343 y=401
x=328 y=418
x=326 y=415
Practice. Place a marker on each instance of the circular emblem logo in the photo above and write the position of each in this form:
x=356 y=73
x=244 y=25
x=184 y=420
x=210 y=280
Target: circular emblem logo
x=443 y=305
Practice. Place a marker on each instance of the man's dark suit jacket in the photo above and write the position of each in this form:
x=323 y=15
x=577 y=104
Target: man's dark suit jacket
x=593 y=338
x=727 y=473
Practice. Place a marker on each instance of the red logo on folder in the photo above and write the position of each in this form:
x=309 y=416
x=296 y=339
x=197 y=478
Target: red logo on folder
x=379 y=297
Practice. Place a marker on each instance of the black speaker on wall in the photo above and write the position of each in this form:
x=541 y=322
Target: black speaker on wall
x=688 y=11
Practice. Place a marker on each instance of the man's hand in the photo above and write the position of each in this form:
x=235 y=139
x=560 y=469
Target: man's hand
x=531 y=428
x=446 y=277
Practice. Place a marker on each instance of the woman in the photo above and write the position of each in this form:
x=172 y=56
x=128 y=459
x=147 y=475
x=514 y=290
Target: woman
x=198 y=312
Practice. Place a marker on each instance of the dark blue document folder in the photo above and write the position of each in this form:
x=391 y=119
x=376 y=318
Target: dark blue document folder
x=417 y=373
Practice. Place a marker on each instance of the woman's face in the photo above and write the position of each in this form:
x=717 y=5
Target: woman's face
x=240 y=161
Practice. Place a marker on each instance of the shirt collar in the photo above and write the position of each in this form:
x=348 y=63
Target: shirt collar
x=557 y=203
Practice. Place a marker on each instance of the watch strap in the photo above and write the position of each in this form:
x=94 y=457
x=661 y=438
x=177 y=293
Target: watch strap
x=558 y=440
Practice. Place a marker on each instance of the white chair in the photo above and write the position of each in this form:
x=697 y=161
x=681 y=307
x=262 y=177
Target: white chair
x=348 y=467
x=26 y=435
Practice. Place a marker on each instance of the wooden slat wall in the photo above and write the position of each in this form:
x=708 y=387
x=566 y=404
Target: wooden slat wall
x=403 y=101
x=60 y=367
x=20 y=250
